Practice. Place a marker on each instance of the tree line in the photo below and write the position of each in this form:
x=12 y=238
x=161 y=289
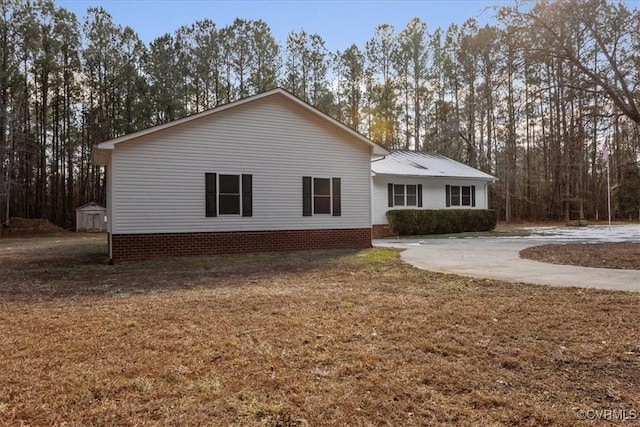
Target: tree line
x=531 y=99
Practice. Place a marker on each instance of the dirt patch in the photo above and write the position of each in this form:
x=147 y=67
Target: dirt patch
x=603 y=255
x=300 y=339
x=30 y=227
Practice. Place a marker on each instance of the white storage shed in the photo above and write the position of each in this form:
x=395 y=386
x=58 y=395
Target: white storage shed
x=91 y=217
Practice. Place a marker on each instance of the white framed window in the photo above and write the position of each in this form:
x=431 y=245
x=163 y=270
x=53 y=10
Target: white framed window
x=321 y=196
x=398 y=195
x=227 y=194
x=405 y=195
x=460 y=195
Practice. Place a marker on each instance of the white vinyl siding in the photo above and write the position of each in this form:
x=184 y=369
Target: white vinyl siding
x=433 y=193
x=109 y=175
x=159 y=186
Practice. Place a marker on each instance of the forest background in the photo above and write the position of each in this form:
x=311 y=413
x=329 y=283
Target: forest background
x=542 y=100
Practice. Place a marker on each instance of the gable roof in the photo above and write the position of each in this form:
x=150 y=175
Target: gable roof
x=422 y=164
x=90 y=206
x=377 y=150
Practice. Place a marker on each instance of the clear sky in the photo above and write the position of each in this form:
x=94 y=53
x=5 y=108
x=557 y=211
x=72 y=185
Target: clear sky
x=339 y=22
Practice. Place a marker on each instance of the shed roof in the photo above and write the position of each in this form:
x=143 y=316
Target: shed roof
x=377 y=150
x=90 y=205
x=419 y=163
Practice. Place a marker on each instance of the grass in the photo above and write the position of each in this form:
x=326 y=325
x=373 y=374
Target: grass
x=300 y=339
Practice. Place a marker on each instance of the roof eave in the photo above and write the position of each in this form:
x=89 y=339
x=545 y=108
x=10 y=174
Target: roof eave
x=477 y=178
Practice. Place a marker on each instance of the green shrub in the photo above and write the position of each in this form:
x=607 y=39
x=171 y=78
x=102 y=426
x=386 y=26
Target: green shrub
x=407 y=222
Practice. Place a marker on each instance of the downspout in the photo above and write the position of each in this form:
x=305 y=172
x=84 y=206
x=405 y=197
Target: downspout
x=372 y=207
x=109 y=180
x=110 y=234
x=486 y=195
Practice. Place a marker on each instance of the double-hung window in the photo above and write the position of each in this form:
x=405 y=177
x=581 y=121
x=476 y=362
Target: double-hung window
x=227 y=194
x=398 y=195
x=412 y=195
x=321 y=196
x=229 y=187
x=466 y=196
x=405 y=195
x=460 y=195
x=455 y=195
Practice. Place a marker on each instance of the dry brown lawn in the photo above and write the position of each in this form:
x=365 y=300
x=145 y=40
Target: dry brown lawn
x=301 y=339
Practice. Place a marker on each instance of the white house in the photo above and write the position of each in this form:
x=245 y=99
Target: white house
x=265 y=173
x=418 y=180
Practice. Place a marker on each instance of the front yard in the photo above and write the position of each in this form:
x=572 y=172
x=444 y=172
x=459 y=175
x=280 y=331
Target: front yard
x=308 y=338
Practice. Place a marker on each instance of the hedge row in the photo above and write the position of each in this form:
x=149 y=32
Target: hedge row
x=406 y=222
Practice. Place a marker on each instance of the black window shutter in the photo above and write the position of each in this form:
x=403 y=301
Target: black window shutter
x=247 y=195
x=306 y=196
x=390 y=196
x=419 y=195
x=473 y=196
x=448 y=195
x=337 y=205
x=211 y=198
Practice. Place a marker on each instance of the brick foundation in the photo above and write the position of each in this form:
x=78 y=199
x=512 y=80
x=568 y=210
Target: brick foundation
x=128 y=247
x=379 y=231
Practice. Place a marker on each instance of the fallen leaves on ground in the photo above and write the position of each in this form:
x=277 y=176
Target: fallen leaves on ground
x=299 y=339
x=602 y=255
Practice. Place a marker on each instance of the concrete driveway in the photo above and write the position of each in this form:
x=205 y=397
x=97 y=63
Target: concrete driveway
x=498 y=258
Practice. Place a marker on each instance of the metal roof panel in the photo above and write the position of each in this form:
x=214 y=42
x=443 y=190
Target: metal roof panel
x=419 y=163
